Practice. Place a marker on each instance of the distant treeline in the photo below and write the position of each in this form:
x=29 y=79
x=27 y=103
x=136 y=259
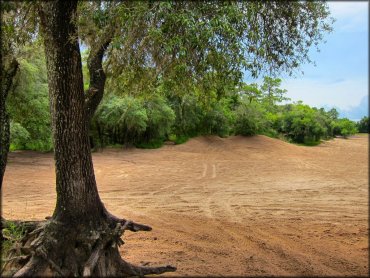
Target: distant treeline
x=149 y=117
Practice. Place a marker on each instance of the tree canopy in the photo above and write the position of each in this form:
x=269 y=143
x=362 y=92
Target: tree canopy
x=190 y=55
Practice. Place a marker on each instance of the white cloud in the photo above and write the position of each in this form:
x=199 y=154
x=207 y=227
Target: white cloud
x=341 y=93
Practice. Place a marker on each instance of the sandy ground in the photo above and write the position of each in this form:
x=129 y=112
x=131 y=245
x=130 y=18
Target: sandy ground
x=236 y=206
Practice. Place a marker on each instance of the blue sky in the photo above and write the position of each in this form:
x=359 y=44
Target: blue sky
x=340 y=77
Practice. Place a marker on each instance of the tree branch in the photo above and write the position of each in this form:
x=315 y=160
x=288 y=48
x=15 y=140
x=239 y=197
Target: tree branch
x=94 y=93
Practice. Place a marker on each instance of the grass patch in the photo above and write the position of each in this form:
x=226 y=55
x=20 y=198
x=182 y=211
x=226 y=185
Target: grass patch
x=11 y=234
x=181 y=139
x=309 y=143
x=152 y=144
x=178 y=139
x=115 y=146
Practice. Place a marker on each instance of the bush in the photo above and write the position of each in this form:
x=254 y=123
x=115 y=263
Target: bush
x=120 y=120
x=218 y=119
x=250 y=119
x=160 y=119
x=345 y=127
x=151 y=144
x=28 y=104
x=303 y=124
x=189 y=115
x=19 y=136
x=363 y=125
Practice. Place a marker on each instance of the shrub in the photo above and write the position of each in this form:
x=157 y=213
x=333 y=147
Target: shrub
x=121 y=120
x=19 y=136
x=345 y=127
x=28 y=104
x=363 y=125
x=302 y=124
x=218 y=119
x=250 y=119
x=189 y=115
x=151 y=144
x=160 y=119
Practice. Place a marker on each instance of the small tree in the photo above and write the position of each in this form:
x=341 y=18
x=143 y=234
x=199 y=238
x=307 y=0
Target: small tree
x=345 y=127
x=363 y=125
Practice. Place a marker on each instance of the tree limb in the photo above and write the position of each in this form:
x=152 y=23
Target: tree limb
x=94 y=94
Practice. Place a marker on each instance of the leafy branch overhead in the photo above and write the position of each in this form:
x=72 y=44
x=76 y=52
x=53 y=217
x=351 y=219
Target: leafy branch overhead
x=184 y=41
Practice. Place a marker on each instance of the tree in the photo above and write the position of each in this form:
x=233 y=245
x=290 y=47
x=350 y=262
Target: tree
x=251 y=92
x=28 y=104
x=271 y=90
x=80 y=218
x=345 y=127
x=9 y=68
x=15 y=32
x=363 y=125
x=82 y=237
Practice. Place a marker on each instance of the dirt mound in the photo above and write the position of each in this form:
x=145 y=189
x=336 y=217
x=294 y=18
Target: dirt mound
x=241 y=206
x=203 y=144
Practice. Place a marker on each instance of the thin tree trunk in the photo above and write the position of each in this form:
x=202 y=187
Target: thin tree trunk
x=9 y=68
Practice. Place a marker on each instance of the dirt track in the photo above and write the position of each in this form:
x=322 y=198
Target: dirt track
x=235 y=206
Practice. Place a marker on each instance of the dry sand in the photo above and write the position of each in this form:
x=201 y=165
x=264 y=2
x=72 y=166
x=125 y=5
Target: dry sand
x=236 y=206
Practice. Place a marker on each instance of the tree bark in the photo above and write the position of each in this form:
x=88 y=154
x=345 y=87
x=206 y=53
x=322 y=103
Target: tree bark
x=9 y=69
x=94 y=93
x=82 y=237
x=77 y=194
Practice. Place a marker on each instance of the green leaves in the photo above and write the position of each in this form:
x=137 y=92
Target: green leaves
x=129 y=120
x=192 y=39
x=28 y=104
x=122 y=114
x=363 y=125
x=345 y=127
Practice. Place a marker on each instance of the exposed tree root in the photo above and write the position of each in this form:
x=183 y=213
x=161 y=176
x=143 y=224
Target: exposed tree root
x=52 y=248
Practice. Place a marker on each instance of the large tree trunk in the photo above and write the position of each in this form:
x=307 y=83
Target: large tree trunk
x=9 y=68
x=81 y=238
x=77 y=194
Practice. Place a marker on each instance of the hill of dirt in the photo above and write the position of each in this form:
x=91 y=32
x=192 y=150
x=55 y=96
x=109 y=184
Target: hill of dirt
x=241 y=206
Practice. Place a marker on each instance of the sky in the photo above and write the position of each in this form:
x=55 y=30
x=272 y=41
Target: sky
x=340 y=77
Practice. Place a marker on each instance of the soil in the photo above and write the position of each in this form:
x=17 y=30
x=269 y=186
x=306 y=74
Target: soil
x=242 y=206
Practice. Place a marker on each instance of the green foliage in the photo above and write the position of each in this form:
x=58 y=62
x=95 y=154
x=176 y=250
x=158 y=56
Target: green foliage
x=271 y=91
x=19 y=136
x=345 y=127
x=188 y=113
x=12 y=233
x=120 y=120
x=250 y=91
x=151 y=144
x=302 y=124
x=218 y=119
x=181 y=139
x=28 y=105
x=129 y=120
x=363 y=125
x=160 y=119
x=250 y=119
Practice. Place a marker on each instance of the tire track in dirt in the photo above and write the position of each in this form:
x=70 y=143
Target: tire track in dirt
x=235 y=206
